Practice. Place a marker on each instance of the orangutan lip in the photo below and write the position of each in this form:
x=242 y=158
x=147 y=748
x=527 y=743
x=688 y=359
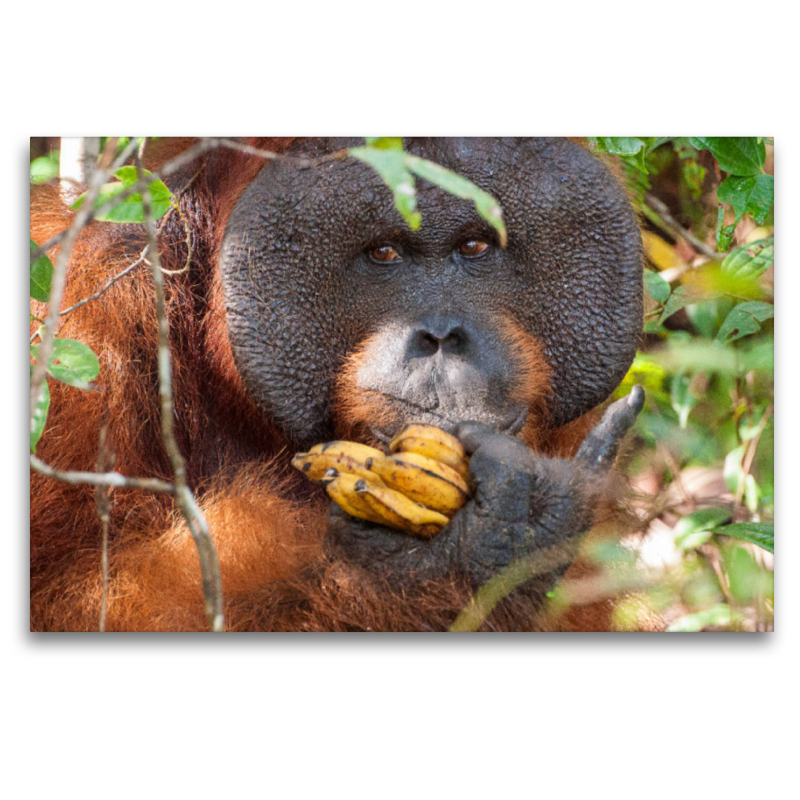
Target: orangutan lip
x=510 y=426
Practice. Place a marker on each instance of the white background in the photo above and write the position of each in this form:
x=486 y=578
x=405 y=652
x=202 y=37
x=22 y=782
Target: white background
x=637 y=716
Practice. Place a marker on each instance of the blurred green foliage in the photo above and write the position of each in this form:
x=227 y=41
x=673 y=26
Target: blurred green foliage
x=707 y=365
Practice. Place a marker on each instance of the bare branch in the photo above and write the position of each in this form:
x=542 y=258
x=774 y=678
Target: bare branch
x=57 y=285
x=175 y=164
x=300 y=163
x=100 y=292
x=667 y=222
x=113 y=480
x=102 y=499
x=209 y=564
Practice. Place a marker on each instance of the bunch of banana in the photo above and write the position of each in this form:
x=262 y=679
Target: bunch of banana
x=416 y=488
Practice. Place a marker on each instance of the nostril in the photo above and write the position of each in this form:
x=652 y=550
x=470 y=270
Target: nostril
x=454 y=341
x=449 y=340
x=427 y=343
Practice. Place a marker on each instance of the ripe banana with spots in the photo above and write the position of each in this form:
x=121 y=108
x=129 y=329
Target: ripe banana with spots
x=399 y=511
x=428 y=482
x=344 y=457
x=417 y=487
x=341 y=488
x=433 y=442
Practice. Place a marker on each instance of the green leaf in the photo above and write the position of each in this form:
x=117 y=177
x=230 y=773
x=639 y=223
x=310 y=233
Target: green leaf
x=744 y=320
x=386 y=157
x=760 y=533
x=697 y=528
x=752 y=493
x=656 y=286
x=733 y=472
x=71 y=362
x=748 y=581
x=749 y=261
x=39 y=418
x=720 y=616
x=485 y=204
x=44 y=169
x=632 y=150
x=760 y=358
x=699 y=355
x=753 y=195
x=724 y=232
x=619 y=145
x=680 y=297
x=682 y=399
x=707 y=315
x=739 y=155
x=644 y=372
x=391 y=166
x=385 y=142
x=41 y=276
x=130 y=209
x=659 y=140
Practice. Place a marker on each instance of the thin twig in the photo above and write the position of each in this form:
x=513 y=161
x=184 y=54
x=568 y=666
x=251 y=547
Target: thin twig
x=209 y=564
x=675 y=468
x=666 y=221
x=142 y=259
x=100 y=292
x=175 y=164
x=58 y=282
x=102 y=498
x=88 y=207
x=300 y=163
x=113 y=480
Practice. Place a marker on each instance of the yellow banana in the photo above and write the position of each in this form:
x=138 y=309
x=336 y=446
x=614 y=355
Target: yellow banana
x=423 y=480
x=399 y=511
x=314 y=464
x=341 y=489
x=433 y=442
x=360 y=452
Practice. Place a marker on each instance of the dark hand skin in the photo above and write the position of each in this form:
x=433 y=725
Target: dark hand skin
x=525 y=507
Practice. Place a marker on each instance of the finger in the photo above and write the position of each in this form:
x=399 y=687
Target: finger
x=600 y=447
x=473 y=435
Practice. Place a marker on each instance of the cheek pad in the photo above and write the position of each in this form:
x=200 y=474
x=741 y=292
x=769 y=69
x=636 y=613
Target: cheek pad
x=294 y=234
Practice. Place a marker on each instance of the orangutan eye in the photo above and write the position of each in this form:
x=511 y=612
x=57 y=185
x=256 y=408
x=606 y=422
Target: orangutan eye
x=384 y=254
x=472 y=248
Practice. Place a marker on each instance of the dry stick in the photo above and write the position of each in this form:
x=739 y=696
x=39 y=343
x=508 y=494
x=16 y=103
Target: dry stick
x=57 y=285
x=58 y=281
x=170 y=167
x=666 y=221
x=173 y=165
x=100 y=292
x=209 y=565
x=113 y=480
x=102 y=498
x=300 y=163
x=143 y=256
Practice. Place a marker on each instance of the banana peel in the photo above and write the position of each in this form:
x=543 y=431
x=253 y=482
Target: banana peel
x=416 y=488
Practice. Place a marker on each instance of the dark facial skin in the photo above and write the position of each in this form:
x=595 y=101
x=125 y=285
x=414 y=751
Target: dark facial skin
x=306 y=282
x=317 y=260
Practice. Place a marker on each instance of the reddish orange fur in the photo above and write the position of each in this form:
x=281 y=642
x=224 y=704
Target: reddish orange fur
x=274 y=570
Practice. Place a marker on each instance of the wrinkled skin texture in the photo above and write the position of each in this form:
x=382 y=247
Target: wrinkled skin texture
x=304 y=293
